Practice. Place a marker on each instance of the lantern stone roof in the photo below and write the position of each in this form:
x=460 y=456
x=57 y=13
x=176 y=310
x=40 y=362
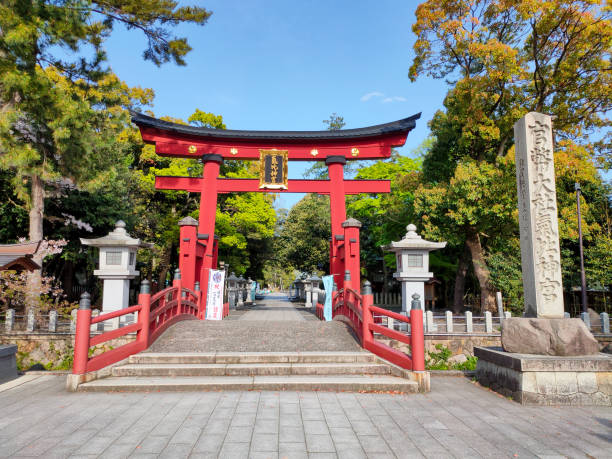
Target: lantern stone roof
x=19 y=256
x=116 y=238
x=188 y=221
x=403 y=125
x=413 y=241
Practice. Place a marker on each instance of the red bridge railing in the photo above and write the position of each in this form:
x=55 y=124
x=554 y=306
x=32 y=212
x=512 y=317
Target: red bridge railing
x=155 y=314
x=359 y=311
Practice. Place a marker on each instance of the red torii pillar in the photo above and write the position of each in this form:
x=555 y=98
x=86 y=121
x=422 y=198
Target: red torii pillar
x=207 y=217
x=337 y=207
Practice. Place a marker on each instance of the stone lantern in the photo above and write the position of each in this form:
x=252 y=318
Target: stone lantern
x=412 y=257
x=241 y=281
x=299 y=285
x=315 y=289
x=232 y=290
x=117 y=265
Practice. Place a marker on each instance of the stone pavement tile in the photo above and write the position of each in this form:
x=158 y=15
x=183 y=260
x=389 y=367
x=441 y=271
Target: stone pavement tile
x=117 y=451
x=373 y=444
x=38 y=446
x=243 y=419
x=294 y=420
x=322 y=456
x=263 y=455
x=247 y=407
x=153 y=445
x=350 y=451
x=175 y=451
x=289 y=408
x=95 y=445
x=266 y=426
x=267 y=413
x=186 y=434
x=289 y=397
x=144 y=455
x=203 y=456
x=209 y=443
x=264 y=442
x=222 y=413
x=363 y=427
x=289 y=434
x=59 y=451
x=319 y=444
x=344 y=435
x=312 y=414
x=219 y=426
x=337 y=420
x=292 y=449
x=316 y=427
x=239 y=434
x=231 y=450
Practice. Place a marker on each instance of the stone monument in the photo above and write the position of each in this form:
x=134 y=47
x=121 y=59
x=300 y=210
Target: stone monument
x=537 y=202
x=546 y=359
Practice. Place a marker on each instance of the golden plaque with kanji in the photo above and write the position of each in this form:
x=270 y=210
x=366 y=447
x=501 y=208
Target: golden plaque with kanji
x=273 y=169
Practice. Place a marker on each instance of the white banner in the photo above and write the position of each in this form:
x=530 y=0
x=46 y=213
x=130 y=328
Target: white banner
x=214 y=297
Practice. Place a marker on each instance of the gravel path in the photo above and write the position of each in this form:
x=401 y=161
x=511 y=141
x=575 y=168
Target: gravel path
x=274 y=325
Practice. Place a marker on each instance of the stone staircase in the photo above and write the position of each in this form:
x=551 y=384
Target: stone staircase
x=305 y=371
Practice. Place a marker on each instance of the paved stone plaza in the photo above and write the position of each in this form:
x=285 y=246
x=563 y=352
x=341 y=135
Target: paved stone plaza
x=457 y=419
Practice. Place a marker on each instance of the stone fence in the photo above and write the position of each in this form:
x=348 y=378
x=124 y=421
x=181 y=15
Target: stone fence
x=51 y=322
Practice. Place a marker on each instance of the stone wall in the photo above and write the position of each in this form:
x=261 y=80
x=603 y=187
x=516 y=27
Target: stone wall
x=54 y=351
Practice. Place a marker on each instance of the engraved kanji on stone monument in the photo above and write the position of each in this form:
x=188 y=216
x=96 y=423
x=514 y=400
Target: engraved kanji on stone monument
x=537 y=201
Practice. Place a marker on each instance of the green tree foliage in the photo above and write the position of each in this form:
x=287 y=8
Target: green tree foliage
x=506 y=59
x=61 y=108
x=384 y=217
x=303 y=242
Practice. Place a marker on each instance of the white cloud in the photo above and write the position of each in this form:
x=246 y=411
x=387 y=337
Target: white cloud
x=387 y=100
x=383 y=98
x=369 y=95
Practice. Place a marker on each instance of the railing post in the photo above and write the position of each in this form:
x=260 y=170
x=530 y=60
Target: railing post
x=53 y=321
x=144 y=301
x=31 y=323
x=605 y=322
x=417 y=337
x=81 y=339
x=9 y=320
x=366 y=301
x=469 y=324
x=449 y=321
x=176 y=282
x=431 y=326
x=586 y=319
x=196 y=288
x=488 y=322
x=73 y=320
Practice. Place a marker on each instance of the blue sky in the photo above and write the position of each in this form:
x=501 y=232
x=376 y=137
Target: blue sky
x=287 y=65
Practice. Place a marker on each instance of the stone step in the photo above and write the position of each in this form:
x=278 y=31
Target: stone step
x=249 y=369
x=253 y=357
x=351 y=383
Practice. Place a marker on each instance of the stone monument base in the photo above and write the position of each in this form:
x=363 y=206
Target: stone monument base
x=546 y=380
x=8 y=363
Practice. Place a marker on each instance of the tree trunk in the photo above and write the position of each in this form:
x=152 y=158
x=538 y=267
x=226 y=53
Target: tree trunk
x=34 y=279
x=164 y=263
x=487 y=297
x=459 y=291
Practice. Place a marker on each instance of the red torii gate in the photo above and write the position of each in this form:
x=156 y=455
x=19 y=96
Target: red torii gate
x=212 y=146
